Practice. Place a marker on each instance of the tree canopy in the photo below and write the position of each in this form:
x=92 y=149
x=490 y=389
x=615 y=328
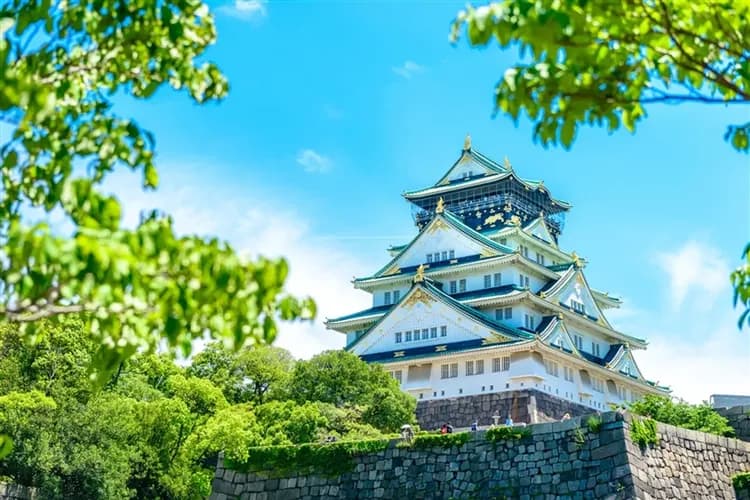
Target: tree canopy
x=61 y=64
x=154 y=430
x=603 y=63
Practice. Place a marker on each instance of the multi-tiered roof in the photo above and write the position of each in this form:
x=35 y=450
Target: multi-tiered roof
x=492 y=217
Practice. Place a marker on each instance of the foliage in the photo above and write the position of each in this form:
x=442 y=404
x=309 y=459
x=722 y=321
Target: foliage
x=507 y=433
x=602 y=63
x=578 y=437
x=437 y=440
x=594 y=423
x=153 y=431
x=142 y=287
x=681 y=414
x=343 y=379
x=251 y=374
x=643 y=431
x=330 y=459
x=741 y=482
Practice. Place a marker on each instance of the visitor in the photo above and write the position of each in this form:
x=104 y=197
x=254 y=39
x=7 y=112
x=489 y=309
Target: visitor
x=509 y=421
x=444 y=429
x=565 y=417
x=449 y=428
x=407 y=433
x=475 y=426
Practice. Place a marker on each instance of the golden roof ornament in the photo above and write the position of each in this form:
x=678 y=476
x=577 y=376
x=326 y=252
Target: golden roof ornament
x=419 y=277
x=506 y=163
x=440 y=206
x=467 y=143
x=576 y=259
x=515 y=221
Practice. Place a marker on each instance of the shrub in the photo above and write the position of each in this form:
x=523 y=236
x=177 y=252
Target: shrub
x=643 y=432
x=330 y=459
x=741 y=482
x=681 y=414
x=594 y=423
x=433 y=440
x=497 y=434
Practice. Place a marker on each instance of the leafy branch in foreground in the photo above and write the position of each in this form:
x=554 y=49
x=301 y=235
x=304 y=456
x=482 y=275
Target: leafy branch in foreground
x=602 y=63
x=60 y=64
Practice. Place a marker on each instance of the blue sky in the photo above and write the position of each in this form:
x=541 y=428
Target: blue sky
x=338 y=107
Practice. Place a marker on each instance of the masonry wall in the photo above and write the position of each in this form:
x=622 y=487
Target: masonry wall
x=686 y=464
x=739 y=419
x=17 y=492
x=528 y=406
x=559 y=459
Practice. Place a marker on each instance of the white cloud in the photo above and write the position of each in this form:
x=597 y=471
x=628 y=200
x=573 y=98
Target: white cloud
x=694 y=269
x=320 y=268
x=313 y=162
x=407 y=69
x=694 y=344
x=244 y=9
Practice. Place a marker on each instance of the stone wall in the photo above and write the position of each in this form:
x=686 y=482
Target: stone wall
x=16 y=492
x=528 y=406
x=739 y=419
x=565 y=459
x=686 y=464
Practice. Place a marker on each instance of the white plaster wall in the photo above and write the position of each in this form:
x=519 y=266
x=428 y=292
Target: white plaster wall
x=522 y=365
x=419 y=316
x=441 y=240
x=469 y=167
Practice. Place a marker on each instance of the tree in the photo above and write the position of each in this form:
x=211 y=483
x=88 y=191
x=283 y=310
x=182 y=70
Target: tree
x=343 y=379
x=601 y=63
x=60 y=64
x=251 y=374
x=697 y=417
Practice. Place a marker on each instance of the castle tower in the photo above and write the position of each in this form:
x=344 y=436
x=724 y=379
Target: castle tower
x=483 y=309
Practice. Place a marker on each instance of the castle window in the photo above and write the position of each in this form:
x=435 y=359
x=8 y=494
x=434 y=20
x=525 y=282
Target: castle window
x=508 y=312
x=551 y=368
x=461 y=285
x=498 y=314
x=595 y=349
x=444 y=371
x=421 y=396
x=387 y=298
x=397 y=375
x=437 y=257
x=429 y=258
x=398 y=337
x=433 y=332
x=444 y=255
x=540 y=258
x=453 y=286
x=568 y=373
x=524 y=250
x=443 y=331
x=523 y=280
x=396 y=295
x=451 y=254
x=577 y=306
x=579 y=341
x=487 y=280
x=479 y=367
x=454 y=370
x=407 y=335
x=528 y=321
x=425 y=333
x=469 y=368
x=501 y=364
x=497 y=279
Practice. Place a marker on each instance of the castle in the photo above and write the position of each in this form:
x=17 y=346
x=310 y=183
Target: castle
x=484 y=302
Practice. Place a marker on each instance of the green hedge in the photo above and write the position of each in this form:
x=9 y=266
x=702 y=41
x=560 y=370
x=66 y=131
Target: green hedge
x=329 y=459
x=741 y=482
x=497 y=434
x=422 y=441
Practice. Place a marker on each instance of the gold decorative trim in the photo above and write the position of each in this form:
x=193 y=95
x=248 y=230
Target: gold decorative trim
x=419 y=276
x=467 y=143
x=494 y=218
x=399 y=354
x=441 y=348
x=419 y=295
x=440 y=206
